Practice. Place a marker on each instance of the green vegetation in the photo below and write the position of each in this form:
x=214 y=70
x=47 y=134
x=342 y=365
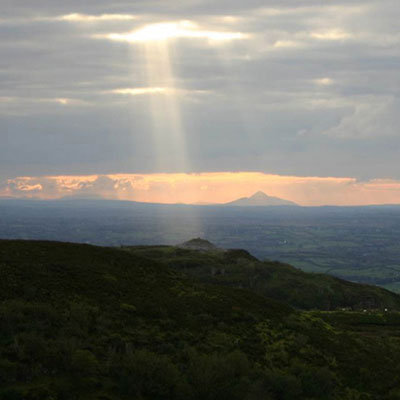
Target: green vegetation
x=85 y=322
x=282 y=282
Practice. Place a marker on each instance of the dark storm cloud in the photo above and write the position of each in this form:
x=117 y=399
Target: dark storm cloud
x=313 y=90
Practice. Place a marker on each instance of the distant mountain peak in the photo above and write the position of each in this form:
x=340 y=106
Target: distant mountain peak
x=259 y=194
x=261 y=199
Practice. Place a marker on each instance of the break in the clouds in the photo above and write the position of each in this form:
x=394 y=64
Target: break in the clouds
x=290 y=88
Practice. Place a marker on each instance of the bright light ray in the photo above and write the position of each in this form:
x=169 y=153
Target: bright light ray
x=169 y=137
x=168 y=131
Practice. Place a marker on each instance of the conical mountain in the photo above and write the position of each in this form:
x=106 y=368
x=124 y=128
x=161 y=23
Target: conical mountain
x=261 y=199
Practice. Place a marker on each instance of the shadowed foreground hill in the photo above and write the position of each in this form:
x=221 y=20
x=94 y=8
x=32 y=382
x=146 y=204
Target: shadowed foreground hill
x=282 y=282
x=85 y=322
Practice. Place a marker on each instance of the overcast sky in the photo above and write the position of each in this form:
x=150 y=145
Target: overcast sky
x=291 y=88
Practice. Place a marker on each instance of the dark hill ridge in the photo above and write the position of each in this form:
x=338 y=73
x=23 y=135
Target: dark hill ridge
x=238 y=268
x=198 y=244
x=95 y=323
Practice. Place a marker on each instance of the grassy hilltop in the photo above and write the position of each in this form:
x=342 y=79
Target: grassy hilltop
x=86 y=322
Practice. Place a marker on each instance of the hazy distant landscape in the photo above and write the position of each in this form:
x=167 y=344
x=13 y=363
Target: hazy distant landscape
x=199 y=200
x=360 y=244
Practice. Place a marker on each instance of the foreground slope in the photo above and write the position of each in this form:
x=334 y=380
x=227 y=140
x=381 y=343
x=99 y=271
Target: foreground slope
x=85 y=322
x=282 y=282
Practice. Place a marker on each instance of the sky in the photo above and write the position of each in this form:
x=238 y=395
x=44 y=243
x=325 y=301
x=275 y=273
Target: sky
x=201 y=101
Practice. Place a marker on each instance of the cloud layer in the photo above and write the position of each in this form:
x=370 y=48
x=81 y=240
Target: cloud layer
x=220 y=187
x=297 y=90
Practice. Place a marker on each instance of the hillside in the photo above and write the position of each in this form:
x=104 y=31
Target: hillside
x=261 y=199
x=86 y=322
x=282 y=282
x=198 y=244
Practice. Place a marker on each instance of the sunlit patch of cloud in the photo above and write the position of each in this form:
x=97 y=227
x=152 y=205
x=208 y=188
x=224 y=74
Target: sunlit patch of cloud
x=22 y=187
x=323 y=81
x=63 y=101
x=287 y=44
x=76 y=17
x=140 y=91
x=331 y=34
x=230 y=19
x=172 y=30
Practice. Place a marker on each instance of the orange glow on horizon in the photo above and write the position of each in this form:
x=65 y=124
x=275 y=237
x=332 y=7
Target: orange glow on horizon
x=213 y=187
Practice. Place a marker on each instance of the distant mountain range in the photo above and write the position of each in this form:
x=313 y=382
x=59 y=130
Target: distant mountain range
x=261 y=199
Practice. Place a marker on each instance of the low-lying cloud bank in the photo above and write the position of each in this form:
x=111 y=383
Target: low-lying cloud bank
x=216 y=187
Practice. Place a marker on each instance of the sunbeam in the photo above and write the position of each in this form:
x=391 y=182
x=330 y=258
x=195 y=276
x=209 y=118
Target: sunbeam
x=169 y=139
x=156 y=42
